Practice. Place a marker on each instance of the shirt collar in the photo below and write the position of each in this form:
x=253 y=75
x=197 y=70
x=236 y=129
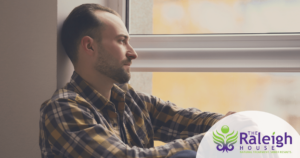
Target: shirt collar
x=92 y=95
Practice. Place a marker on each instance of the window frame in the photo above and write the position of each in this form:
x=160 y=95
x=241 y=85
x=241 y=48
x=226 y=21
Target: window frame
x=274 y=52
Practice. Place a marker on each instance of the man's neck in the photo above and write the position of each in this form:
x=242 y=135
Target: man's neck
x=98 y=81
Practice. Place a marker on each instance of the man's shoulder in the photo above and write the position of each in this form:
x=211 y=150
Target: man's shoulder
x=67 y=93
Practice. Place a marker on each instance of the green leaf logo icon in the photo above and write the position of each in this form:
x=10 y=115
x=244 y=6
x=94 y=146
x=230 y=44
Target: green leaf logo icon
x=225 y=141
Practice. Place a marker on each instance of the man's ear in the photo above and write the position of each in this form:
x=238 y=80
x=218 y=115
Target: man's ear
x=88 y=45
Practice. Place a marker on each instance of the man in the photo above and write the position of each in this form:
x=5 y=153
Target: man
x=94 y=117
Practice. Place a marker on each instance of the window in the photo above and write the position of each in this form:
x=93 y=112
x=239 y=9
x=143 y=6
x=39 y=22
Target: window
x=251 y=52
x=219 y=70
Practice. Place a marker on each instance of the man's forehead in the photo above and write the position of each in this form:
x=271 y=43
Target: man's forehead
x=112 y=23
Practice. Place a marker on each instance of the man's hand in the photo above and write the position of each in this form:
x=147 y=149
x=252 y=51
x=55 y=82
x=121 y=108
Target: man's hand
x=228 y=113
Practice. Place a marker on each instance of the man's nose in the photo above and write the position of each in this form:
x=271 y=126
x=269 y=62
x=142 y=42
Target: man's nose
x=131 y=53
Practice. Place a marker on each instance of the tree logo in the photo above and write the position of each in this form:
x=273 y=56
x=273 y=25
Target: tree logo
x=225 y=141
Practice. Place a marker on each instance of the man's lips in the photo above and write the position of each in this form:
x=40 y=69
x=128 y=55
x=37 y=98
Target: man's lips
x=127 y=63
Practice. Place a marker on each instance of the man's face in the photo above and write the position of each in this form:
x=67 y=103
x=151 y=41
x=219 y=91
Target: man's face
x=114 y=52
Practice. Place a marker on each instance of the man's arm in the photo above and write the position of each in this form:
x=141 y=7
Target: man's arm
x=171 y=122
x=72 y=131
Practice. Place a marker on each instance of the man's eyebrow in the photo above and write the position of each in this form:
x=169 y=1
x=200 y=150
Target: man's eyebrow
x=122 y=35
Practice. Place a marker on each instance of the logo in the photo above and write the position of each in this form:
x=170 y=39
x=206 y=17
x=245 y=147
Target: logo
x=225 y=141
x=256 y=139
x=250 y=134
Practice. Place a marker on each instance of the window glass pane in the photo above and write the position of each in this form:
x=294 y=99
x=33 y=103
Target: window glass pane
x=218 y=16
x=275 y=93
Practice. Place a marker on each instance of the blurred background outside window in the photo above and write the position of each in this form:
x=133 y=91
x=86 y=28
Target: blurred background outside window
x=276 y=93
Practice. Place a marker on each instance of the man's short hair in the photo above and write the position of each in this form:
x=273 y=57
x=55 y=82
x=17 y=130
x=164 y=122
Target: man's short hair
x=82 y=22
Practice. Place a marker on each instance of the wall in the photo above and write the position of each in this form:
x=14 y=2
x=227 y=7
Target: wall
x=28 y=72
x=32 y=65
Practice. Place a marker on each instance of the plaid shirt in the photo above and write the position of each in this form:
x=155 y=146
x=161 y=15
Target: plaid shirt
x=79 y=122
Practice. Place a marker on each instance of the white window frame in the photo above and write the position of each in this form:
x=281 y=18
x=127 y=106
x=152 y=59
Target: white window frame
x=215 y=52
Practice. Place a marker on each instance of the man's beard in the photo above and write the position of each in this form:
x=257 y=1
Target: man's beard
x=113 y=71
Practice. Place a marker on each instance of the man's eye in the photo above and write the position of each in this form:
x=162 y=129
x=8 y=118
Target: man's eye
x=122 y=41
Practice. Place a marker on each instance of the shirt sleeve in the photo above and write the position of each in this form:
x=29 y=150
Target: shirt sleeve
x=171 y=122
x=72 y=131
